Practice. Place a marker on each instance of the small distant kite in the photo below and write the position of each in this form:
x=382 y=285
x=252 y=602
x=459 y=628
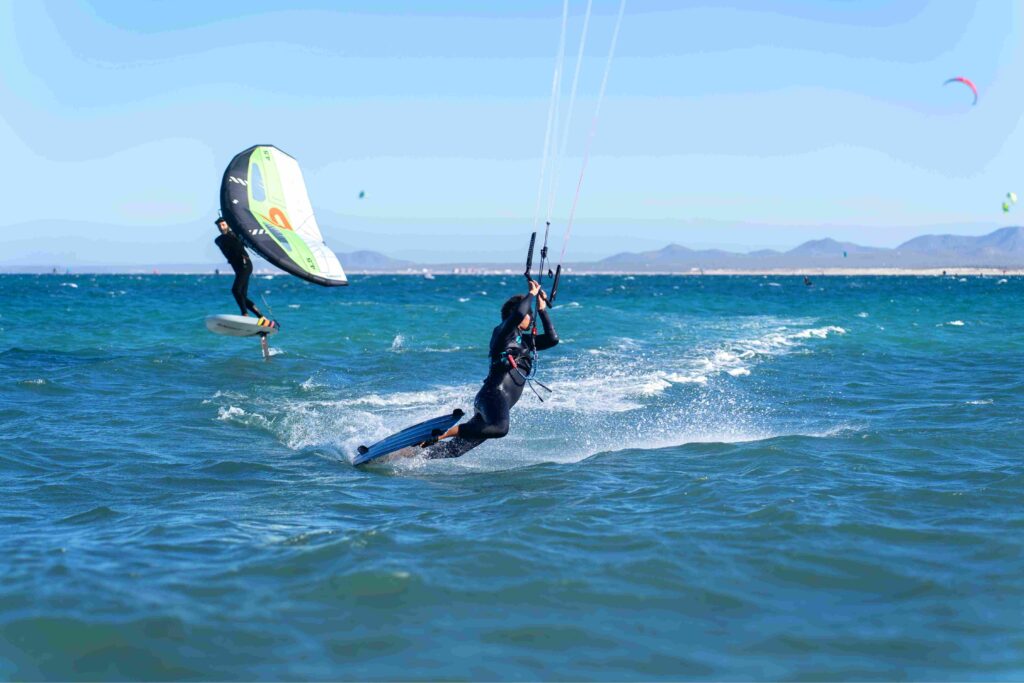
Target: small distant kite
x=1011 y=199
x=362 y=193
x=968 y=83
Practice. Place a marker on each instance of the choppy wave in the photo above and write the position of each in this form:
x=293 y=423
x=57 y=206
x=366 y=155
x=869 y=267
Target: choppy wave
x=243 y=417
x=614 y=400
x=786 y=488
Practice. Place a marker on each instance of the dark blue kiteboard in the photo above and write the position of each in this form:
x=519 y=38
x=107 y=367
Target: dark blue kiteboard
x=408 y=437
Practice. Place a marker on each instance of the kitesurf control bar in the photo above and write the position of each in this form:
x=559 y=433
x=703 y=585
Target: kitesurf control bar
x=529 y=255
x=544 y=249
x=554 y=285
x=529 y=267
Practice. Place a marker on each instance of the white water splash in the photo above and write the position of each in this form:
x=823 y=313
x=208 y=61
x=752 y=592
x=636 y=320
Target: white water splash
x=241 y=416
x=310 y=384
x=626 y=396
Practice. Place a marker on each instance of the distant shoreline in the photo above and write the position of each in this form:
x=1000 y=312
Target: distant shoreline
x=477 y=270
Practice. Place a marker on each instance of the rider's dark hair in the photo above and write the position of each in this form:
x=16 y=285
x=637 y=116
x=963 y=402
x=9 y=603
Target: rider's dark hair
x=509 y=306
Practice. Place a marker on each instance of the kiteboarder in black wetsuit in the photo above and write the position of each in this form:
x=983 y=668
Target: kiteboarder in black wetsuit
x=512 y=351
x=234 y=252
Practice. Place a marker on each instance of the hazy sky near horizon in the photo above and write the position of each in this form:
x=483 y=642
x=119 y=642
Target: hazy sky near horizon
x=729 y=123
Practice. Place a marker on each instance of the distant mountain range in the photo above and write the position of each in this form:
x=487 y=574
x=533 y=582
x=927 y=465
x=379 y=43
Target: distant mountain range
x=1002 y=248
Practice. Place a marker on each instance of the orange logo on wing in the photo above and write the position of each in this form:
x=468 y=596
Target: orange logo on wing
x=278 y=218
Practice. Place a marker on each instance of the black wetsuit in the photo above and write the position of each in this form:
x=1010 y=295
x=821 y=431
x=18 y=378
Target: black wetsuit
x=504 y=383
x=234 y=252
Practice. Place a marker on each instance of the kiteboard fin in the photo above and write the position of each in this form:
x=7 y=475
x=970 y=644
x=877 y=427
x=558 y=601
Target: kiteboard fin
x=435 y=436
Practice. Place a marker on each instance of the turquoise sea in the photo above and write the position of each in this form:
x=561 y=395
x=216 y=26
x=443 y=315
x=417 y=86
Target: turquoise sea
x=735 y=478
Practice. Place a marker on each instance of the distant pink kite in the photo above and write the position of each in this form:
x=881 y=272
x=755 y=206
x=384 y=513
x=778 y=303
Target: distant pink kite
x=967 y=82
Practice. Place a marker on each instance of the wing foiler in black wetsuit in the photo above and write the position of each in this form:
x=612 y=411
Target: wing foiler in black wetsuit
x=511 y=354
x=234 y=252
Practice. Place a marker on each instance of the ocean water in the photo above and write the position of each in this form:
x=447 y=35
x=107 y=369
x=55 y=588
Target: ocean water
x=735 y=478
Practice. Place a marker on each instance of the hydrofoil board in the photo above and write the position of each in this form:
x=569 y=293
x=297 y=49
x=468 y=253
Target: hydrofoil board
x=241 y=325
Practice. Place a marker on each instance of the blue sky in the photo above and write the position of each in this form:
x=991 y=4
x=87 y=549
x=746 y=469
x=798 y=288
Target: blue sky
x=737 y=124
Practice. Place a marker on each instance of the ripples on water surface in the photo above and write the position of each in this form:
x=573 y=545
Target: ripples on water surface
x=737 y=477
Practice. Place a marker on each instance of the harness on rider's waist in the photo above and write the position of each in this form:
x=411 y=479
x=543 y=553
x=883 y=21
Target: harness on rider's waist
x=508 y=360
